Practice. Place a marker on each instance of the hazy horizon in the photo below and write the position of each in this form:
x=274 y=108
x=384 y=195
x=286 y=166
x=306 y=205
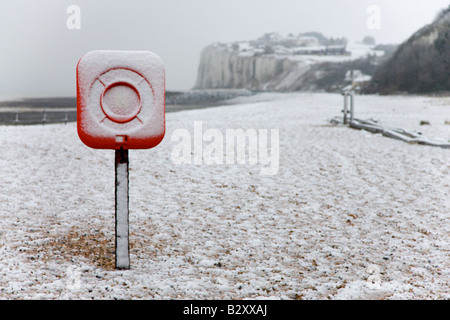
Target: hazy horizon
x=39 y=52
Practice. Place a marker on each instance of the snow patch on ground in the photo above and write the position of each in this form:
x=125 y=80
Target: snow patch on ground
x=350 y=215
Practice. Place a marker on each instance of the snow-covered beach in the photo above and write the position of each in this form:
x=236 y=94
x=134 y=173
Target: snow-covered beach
x=349 y=214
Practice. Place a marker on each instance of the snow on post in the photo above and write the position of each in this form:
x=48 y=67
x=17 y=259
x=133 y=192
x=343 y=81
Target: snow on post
x=352 y=106
x=345 y=106
x=121 y=106
x=122 y=213
x=346 y=111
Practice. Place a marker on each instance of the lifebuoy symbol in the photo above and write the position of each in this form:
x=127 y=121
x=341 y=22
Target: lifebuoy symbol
x=121 y=102
x=124 y=97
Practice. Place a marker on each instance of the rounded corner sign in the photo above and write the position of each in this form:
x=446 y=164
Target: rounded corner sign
x=121 y=99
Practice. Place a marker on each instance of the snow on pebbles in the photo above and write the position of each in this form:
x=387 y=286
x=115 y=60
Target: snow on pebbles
x=348 y=215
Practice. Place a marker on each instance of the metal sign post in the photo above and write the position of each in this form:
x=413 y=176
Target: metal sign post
x=346 y=111
x=345 y=94
x=121 y=106
x=352 y=106
x=122 y=210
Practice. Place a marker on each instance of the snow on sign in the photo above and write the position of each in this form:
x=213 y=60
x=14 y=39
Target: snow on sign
x=121 y=106
x=121 y=99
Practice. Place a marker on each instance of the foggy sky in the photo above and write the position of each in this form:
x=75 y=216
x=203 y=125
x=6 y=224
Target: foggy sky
x=38 y=53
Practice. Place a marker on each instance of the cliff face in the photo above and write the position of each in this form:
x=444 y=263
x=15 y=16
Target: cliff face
x=420 y=65
x=222 y=68
x=274 y=63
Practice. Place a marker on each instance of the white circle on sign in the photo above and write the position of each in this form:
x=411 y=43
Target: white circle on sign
x=121 y=102
x=121 y=99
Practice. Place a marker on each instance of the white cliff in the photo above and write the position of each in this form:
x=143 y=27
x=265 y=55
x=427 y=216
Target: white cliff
x=271 y=63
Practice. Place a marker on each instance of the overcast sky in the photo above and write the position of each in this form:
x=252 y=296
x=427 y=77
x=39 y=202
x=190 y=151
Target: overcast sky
x=39 y=53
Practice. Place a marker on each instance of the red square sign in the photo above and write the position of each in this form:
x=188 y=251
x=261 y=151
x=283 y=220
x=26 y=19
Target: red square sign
x=121 y=99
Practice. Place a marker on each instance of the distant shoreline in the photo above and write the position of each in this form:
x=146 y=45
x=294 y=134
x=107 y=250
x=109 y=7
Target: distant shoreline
x=29 y=111
x=175 y=101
